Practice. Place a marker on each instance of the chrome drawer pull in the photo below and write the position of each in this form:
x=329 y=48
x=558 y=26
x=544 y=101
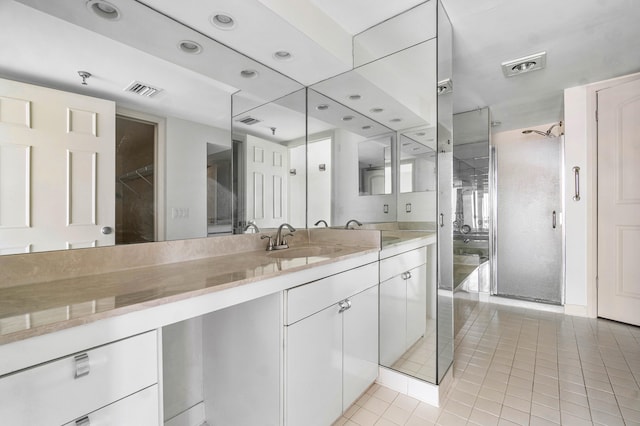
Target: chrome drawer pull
x=84 y=421
x=344 y=305
x=82 y=366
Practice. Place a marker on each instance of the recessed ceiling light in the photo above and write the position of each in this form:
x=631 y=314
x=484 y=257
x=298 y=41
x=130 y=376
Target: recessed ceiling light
x=376 y=110
x=525 y=64
x=347 y=118
x=366 y=127
x=322 y=107
x=396 y=120
x=104 y=9
x=189 y=46
x=249 y=73
x=355 y=97
x=223 y=21
x=282 y=55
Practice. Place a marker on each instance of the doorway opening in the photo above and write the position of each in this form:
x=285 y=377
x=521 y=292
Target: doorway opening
x=135 y=180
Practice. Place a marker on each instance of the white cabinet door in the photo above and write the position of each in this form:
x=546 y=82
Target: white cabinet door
x=360 y=344
x=393 y=320
x=416 y=304
x=314 y=369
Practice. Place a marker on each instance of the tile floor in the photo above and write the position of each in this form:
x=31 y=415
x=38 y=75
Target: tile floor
x=516 y=366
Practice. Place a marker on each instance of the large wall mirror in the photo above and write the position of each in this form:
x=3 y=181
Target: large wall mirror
x=170 y=168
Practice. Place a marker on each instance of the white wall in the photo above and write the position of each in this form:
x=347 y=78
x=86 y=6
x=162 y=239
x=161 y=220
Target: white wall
x=581 y=132
x=575 y=154
x=347 y=203
x=319 y=182
x=186 y=176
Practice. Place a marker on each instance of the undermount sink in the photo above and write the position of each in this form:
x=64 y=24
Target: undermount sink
x=295 y=252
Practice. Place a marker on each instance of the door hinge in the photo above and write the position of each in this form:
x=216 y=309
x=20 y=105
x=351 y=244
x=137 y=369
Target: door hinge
x=596 y=115
x=597 y=282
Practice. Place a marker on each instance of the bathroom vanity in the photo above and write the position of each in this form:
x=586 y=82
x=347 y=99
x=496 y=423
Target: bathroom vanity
x=279 y=338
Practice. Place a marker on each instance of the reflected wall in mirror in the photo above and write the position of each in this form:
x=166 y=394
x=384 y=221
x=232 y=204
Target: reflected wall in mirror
x=273 y=137
x=188 y=102
x=354 y=150
x=418 y=161
x=374 y=164
x=471 y=220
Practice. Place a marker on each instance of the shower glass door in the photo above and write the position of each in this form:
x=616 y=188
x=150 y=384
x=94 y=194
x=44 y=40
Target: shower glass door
x=529 y=227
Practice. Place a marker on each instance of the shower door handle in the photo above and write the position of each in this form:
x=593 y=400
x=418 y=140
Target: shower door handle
x=553 y=221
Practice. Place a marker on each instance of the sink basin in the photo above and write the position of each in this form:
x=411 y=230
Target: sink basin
x=295 y=252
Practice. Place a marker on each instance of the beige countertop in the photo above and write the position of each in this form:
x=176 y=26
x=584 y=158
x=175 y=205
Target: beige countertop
x=33 y=309
x=59 y=290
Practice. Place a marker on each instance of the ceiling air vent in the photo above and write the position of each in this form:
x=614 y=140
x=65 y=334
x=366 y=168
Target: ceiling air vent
x=248 y=120
x=142 y=89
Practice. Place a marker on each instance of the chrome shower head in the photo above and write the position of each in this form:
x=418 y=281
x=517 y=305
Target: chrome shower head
x=546 y=134
x=526 y=132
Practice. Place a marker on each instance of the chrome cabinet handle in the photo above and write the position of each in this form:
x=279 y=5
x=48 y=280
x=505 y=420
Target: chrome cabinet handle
x=576 y=180
x=405 y=275
x=344 y=305
x=106 y=230
x=554 y=219
x=84 y=421
x=408 y=275
x=82 y=365
x=441 y=220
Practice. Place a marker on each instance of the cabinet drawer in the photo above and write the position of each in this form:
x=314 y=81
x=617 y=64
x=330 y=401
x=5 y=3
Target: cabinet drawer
x=313 y=297
x=139 y=409
x=396 y=265
x=63 y=390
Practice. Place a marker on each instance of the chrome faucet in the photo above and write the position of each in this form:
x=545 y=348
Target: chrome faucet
x=352 y=221
x=253 y=225
x=280 y=242
x=326 y=225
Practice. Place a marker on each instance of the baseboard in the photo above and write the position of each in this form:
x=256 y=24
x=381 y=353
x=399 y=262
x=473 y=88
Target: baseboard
x=576 y=310
x=526 y=304
x=423 y=391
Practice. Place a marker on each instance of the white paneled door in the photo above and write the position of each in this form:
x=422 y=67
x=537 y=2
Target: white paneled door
x=619 y=203
x=266 y=179
x=57 y=169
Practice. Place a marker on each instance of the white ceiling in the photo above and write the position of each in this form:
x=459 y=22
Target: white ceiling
x=585 y=41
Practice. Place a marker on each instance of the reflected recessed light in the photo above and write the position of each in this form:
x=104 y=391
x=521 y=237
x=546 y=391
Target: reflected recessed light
x=376 y=110
x=322 y=107
x=347 y=118
x=249 y=73
x=355 y=97
x=223 y=21
x=366 y=127
x=282 y=55
x=104 y=9
x=189 y=46
x=396 y=120
x=420 y=134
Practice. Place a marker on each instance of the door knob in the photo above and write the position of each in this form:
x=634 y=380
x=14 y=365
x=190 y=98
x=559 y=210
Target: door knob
x=106 y=230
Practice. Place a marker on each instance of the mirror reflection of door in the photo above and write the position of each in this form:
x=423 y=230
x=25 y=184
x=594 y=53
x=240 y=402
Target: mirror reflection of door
x=56 y=174
x=135 y=180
